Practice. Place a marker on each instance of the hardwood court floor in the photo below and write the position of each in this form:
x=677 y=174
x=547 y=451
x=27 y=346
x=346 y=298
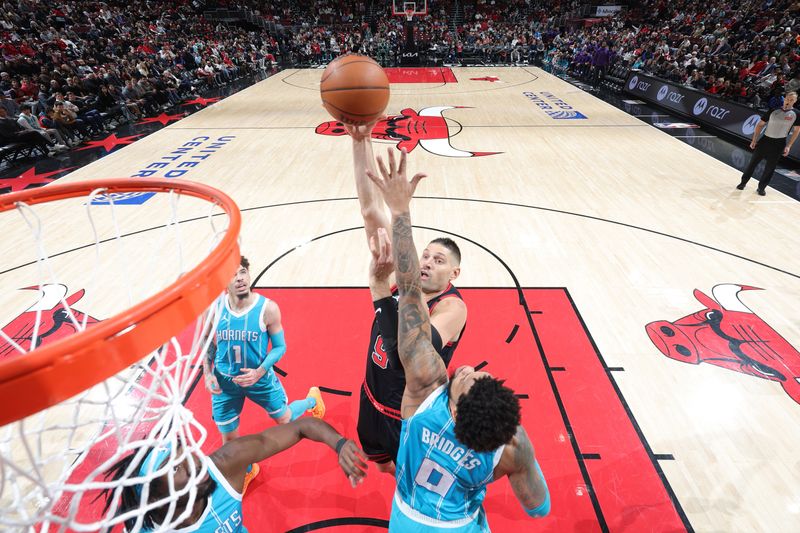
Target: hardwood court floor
x=580 y=197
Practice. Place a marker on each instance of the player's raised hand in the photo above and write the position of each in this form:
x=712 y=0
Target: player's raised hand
x=249 y=376
x=382 y=264
x=353 y=463
x=362 y=132
x=396 y=188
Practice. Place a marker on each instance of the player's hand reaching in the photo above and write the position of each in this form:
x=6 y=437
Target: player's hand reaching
x=212 y=385
x=382 y=264
x=362 y=132
x=249 y=376
x=353 y=463
x=397 y=190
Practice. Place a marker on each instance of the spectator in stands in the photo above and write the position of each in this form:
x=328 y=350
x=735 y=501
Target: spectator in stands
x=85 y=114
x=12 y=132
x=107 y=103
x=28 y=121
x=67 y=121
x=10 y=106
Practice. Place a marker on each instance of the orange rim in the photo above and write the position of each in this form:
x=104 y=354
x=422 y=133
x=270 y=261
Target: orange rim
x=51 y=374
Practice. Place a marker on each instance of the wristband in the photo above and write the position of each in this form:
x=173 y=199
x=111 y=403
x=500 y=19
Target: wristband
x=340 y=445
x=542 y=510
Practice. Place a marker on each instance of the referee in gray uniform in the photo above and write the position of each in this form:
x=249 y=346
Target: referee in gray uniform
x=773 y=144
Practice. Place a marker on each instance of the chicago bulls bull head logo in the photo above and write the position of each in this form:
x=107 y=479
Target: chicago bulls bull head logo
x=410 y=129
x=728 y=334
x=56 y=319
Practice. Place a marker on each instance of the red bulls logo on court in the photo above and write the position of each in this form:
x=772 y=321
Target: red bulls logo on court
x=428 y=129
x=728 y=334
x=57 y=319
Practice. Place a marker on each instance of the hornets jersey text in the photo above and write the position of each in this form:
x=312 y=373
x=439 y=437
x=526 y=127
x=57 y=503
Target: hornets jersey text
x=242 y=338
x=441 y=482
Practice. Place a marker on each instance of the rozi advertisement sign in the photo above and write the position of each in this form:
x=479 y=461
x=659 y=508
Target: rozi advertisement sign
x=704 y=108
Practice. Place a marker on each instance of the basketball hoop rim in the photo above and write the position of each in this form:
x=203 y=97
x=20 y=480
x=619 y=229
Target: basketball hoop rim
x=53 y=373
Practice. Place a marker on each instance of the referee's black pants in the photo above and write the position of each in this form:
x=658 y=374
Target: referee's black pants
x=767 y=148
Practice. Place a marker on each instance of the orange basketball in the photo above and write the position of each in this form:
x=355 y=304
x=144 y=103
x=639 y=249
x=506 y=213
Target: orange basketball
x=354 y=89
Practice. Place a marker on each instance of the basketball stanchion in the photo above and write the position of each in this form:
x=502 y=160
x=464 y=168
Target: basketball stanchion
x=115 y=387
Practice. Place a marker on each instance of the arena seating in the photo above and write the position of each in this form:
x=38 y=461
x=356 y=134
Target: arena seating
x=151 y=55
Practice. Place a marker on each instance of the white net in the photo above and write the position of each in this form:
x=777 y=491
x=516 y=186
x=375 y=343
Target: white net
x=53 y=464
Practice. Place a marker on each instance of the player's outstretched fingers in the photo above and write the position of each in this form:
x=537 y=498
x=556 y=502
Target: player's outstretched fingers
x=372 y=176
x=392 y=167
x=384 y=246
x=352 y=462
x=373 y=247
x=415 y=181
x=401 y=170
x=382 y=167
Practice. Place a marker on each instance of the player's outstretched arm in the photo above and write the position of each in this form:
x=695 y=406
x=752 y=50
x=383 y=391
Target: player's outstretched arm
x=233 y=458
x=369 y=199
x=424 y=368
x=371 y=203
x=518 y=462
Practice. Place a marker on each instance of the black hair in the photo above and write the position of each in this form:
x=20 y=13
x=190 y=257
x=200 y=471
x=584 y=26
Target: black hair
x=451 y=245
x=487 y=415
x=130 y=499
x=245 y=263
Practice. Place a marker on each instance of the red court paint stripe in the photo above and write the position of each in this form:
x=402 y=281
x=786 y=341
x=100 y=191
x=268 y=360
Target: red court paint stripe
x=420 y=75
x=326 y=331
x=327 y=334
x=623 y=477
x=448 y=75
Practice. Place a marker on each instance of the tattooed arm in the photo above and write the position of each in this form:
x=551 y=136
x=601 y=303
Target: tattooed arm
x=424 y=368
x=518 y=462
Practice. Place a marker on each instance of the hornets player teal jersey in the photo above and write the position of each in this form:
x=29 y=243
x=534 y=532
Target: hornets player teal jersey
x=440 y=482
x=223 y=512
x=242 y=338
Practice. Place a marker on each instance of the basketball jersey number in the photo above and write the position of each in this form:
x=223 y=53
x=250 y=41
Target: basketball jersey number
x=434 y=477
x=237 y=354
x=379 y=356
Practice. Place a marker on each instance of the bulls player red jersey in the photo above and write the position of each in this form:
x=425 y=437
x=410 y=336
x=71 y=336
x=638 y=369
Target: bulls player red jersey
x=385 y=378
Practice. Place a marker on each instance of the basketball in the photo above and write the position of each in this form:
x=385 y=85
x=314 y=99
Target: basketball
x=354 y=89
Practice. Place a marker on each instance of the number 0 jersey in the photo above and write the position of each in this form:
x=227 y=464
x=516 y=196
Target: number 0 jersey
x=242 y=338
x=440 y=482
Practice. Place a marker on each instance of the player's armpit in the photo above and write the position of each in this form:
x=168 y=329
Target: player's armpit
x=424 y=374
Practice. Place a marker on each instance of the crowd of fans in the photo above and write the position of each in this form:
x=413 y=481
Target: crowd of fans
x=743 y=51
x=73 y=68
x=747 y=51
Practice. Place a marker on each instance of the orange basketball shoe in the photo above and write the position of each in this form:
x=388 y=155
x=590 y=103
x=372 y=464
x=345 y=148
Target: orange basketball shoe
x=318 y=411
x=250 y=476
